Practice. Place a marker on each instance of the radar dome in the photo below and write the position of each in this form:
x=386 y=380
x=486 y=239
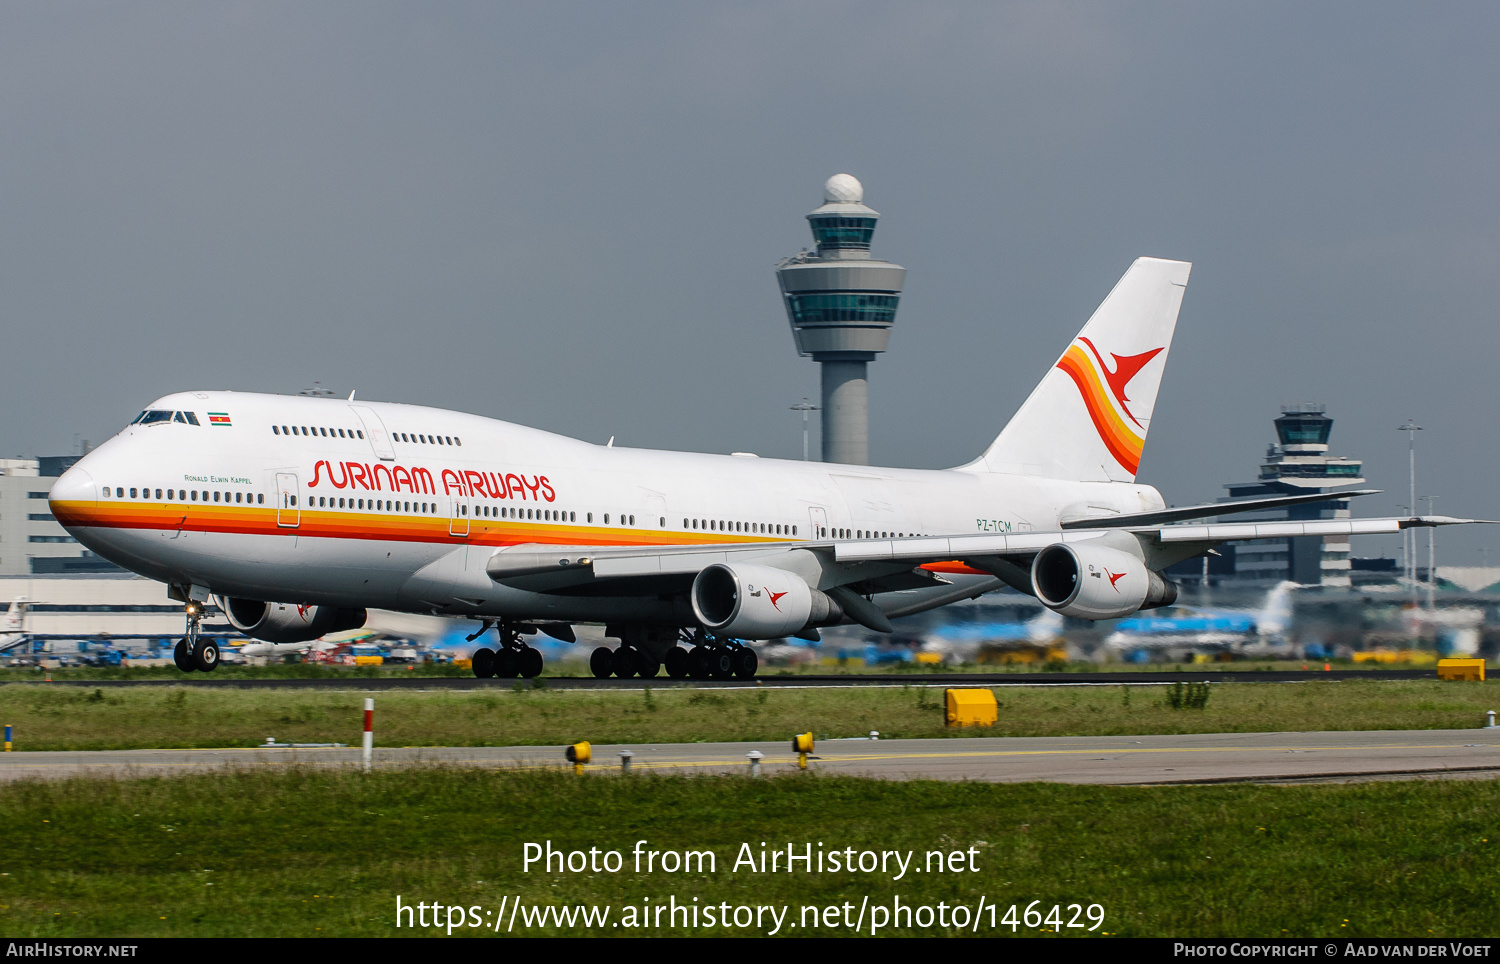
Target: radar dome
x=843 y=188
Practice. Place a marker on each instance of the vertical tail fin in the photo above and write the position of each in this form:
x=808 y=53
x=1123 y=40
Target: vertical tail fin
x=15 y=617
x=1088 y=418
x=1275 y=615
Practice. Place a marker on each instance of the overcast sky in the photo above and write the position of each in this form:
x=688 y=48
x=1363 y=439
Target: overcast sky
x=568 y=215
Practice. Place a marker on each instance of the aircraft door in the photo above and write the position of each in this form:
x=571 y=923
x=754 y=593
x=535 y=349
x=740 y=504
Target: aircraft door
x=288 y=512
x=375 y=433
x=458 y=516
x=818 y=516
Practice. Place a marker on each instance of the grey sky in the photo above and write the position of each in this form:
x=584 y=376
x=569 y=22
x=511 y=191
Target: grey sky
x=568 y=215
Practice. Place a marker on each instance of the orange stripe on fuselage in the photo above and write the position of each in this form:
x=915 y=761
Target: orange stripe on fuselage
x=1122 y=443
x=380 y=527
x=370 y=526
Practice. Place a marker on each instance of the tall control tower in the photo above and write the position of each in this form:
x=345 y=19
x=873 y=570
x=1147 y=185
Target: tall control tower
x=842 y=303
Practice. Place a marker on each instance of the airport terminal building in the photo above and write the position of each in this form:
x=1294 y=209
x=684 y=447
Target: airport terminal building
x=31 y=540
x=1299 y=464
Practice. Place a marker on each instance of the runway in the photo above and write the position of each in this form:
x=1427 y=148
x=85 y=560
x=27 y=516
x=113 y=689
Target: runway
x=463 y=683
x=1118 y=760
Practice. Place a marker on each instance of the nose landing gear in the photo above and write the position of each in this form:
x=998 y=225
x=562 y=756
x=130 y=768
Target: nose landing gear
x=193 y=652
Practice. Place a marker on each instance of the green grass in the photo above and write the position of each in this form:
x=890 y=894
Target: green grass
x=54 y=717
x=305 y=853
x=577 y=668
x=171 y=674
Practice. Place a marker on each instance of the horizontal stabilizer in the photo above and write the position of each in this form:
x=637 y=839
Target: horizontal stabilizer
x=1205 y=511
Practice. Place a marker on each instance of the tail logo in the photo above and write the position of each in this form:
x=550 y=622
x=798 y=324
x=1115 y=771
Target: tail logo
x=1103 y=392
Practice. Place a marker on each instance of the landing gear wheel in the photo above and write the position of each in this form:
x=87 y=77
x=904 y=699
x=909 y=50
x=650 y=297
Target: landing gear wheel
x=745 y=662
x=531 y=662
x=721 y=662
x=483 y=662
x=645 y=666
x=506 y=664
x=677 y=663
x=206 y=655
x=625 y=662
x=182 y=656
x=697 y=662
x=602 y=663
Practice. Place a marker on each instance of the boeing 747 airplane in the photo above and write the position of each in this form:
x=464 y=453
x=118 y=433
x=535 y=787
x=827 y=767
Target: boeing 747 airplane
x=299 y=513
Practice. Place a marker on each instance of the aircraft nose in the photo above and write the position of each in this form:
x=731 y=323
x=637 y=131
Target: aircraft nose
x=75 y=491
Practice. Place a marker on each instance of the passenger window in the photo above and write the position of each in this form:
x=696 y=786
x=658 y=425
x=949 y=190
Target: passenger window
x=275 y=430
x=132 y=493
x=239 y=497
x=158 y=493
x=120 y=492
x=169 y=495
x=359 y=433
x=260 y=499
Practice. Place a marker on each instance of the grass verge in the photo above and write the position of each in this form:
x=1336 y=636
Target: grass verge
x=308 y=853
x=74 y=718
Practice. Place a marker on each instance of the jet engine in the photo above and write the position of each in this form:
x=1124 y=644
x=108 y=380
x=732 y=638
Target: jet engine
x=283 y=623
x=1097 y=582
x=758 y=602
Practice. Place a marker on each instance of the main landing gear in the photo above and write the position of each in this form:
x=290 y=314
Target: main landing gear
x=711 y=657
x=193 y=651
x=512 y=658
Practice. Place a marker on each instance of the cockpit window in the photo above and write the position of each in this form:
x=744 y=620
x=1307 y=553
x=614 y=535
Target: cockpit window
x=151 y=417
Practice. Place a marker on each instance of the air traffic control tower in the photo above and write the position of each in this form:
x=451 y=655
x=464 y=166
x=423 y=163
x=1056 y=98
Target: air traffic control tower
x=842 y=303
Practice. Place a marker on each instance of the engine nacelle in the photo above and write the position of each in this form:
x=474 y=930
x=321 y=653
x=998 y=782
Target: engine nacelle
x=283 y=623
x=1097 y=582
x=758 y=602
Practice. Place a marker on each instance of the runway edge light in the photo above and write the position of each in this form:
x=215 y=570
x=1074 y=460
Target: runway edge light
x=802 y=745
x=579 y=754
x=971 y=708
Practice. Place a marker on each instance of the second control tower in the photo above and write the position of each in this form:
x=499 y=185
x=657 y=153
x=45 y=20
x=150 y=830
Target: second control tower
x=842 y=303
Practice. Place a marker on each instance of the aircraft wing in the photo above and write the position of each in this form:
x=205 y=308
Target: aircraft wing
x=839 y=562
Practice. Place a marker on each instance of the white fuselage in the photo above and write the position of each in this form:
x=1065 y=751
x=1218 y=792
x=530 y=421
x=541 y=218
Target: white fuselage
x=366 y=504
